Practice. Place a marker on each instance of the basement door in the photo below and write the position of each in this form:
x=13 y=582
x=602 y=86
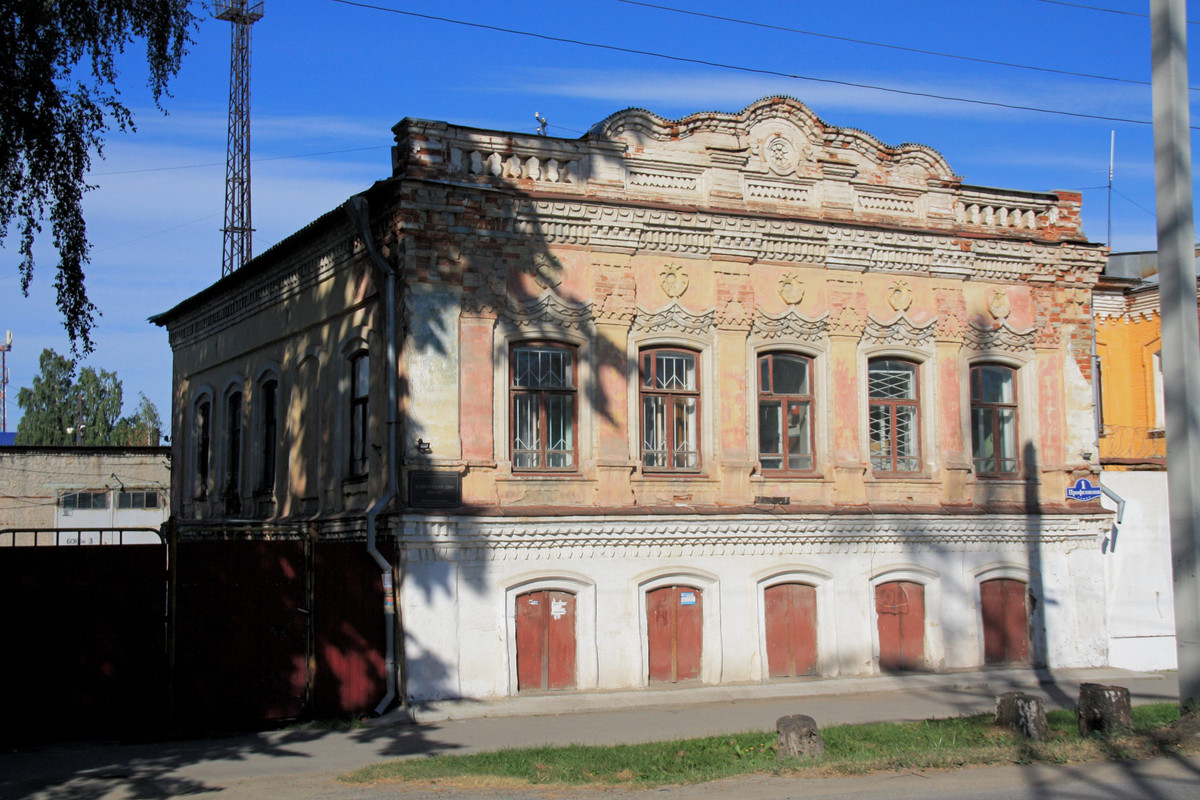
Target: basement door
x=790 y=611
x=545 y=640
x=674 y=633
x=1005 y=621
x=900 y=611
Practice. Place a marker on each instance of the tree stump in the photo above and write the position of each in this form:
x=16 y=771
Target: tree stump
x=798 y=737
x=1022 y=713
x=1103 y=709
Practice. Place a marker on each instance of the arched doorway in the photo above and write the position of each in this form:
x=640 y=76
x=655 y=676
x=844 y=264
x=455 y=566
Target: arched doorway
x=545 y=627
x=1005 y=611
x=900 y=614
x=674 y=633
x=790 y=620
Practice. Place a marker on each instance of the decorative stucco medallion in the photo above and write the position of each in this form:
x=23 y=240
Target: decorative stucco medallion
x=546 y=270
x=998 y=304
x=899 y=295
x=791 y=289
x=780 y=154
x=673 y=280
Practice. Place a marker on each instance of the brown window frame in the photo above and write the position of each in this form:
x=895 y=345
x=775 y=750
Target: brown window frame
x=996 y=408
x=544 y=395
x=648 y=374
x=785 y=401
x=892 y=404
x=268 y=441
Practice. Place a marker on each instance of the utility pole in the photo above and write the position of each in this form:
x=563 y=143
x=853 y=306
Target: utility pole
x=4 y=348
x=238 y=230
x=1180 y=327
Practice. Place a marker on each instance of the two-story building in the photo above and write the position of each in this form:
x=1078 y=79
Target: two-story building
x=730 y=398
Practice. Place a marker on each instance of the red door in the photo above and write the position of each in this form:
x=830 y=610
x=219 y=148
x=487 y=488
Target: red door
x=900 y=610
x=545 y=640
x=1005 y=621
x=791 y=624
x=674 y=622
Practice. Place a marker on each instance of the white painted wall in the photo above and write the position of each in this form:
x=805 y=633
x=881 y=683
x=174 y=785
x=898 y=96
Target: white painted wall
x=460 y=581
x=1137 y=574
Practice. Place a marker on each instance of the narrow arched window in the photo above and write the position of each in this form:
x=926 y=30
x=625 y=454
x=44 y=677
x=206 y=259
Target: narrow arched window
x=543 y=394
x=895 y=416
x=994 y=419
x=360 y=407
x=233 y=453
x=268 y=392
x=785 y=436
x=202 y=432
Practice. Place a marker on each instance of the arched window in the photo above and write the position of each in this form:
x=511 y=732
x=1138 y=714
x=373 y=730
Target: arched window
x=895 y=415
x=670 y=410
x=543 y=391
x=233 y=453
x=360 y=387
x=268 y=433
x=785 y=435
x=202 y=439
x=994 y=419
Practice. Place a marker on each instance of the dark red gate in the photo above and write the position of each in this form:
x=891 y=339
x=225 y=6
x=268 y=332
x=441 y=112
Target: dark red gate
x=83 y=634
x=790 y=611
x=900 y=610
x=674 y=632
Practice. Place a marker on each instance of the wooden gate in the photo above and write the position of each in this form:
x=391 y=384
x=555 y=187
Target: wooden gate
x=674 y=632
x=900 y=611
x=545 y=623
x=790 y=611
x=1005 y=621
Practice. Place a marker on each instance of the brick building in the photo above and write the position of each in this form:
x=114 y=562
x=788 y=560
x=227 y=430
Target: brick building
x=730 y=398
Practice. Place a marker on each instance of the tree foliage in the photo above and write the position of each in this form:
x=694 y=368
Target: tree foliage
x=58 y=410
x=58 y=98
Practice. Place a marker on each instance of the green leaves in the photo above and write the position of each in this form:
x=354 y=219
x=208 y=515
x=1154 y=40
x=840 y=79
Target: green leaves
x=54 y=115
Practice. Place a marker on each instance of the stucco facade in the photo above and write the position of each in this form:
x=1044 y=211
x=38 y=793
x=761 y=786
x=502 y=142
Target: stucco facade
x=83 y=488
x=717 y=354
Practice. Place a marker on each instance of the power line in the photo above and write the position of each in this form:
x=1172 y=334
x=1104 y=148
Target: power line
x=222 y=163
x=752 y=70
x=1105 y=10
x=917 y=50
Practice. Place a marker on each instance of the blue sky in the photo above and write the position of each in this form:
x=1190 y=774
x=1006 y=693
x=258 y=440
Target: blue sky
x=329 y=79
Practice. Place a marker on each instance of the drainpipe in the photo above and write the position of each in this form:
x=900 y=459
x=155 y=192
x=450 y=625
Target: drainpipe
x=359 y=212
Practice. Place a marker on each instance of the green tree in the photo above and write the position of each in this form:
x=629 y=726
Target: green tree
x=58 y=99
x=58 y=410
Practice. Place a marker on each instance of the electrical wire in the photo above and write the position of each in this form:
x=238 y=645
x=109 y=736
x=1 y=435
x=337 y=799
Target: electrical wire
x=1105 y=10
x=751 y=70
x=867 y=42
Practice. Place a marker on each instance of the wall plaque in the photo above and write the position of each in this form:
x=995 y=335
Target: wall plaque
x=434 y=489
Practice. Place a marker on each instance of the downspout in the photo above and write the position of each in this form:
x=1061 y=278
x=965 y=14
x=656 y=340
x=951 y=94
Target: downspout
x=359 y=212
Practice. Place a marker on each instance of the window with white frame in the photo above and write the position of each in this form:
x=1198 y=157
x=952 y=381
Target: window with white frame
x=543 y=392
x=894 y=416
x=994 y=419
x=785 y=435
x=670 y=399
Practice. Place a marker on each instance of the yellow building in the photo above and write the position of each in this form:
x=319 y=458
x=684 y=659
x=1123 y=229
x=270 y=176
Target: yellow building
x=1129 y=348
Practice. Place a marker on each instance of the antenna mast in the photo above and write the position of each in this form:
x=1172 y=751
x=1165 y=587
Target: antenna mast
x=237 y=247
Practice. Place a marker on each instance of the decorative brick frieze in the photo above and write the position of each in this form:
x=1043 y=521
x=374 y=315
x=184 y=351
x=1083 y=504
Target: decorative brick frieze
x=674 y=318
x=901 y=331
x=790 y=327
x=462 y=539
x=1000 y=338
x=548 y=311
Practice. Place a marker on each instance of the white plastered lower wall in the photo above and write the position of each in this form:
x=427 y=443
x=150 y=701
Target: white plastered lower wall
x=461 y=575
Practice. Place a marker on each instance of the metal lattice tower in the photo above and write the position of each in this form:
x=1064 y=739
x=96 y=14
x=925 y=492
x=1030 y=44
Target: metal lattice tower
x=237 y=248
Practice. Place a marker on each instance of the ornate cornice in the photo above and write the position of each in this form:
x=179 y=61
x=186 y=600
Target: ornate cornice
x=474 y=539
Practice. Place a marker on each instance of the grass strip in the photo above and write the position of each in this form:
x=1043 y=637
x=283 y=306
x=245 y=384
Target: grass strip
x=849 y=750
